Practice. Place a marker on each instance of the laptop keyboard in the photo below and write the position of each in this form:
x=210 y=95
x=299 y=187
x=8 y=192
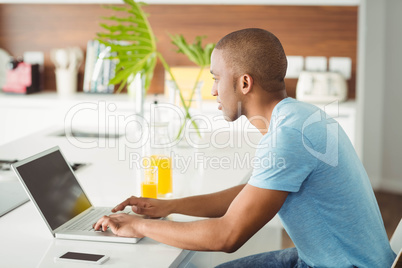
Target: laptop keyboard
x=85 y=224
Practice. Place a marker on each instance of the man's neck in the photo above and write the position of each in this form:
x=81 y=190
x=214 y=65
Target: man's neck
x=260 y=110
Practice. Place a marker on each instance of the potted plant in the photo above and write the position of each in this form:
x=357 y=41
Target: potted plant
x=133 y=44
x=198 y=55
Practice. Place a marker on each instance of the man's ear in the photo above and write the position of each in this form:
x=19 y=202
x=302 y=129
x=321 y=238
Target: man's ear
x=247 y=83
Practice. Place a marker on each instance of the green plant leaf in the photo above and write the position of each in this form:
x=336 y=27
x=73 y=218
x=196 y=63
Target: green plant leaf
x=133 y=43
x=150 y=65
x=116 y=8
x=125 y=37
x=207 y=53
x=194 y=52
x=131 y=40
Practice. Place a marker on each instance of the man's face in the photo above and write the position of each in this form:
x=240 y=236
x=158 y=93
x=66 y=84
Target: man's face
x=224 y=87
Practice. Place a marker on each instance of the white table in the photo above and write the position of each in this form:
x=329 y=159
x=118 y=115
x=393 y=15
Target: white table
x=25 y=240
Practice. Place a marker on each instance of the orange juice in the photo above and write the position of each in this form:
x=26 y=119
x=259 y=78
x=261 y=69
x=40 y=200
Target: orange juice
x=164 y=165
x=149 y=189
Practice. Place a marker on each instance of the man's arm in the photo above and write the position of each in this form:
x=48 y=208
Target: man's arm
x=251 y=209
x=209 y=205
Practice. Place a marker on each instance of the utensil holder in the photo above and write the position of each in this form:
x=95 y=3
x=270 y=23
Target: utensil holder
x=66 y=82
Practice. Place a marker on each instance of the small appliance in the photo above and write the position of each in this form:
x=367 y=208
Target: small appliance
x=22 y=78
x=318 y=87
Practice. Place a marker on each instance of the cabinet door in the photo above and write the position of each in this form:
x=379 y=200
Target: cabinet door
x=345 y=115
x=347 y=122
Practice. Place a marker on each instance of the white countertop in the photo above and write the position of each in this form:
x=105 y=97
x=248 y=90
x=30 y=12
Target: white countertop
x=108 y=181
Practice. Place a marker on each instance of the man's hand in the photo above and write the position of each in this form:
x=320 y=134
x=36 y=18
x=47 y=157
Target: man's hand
x=120 y=224
x=249 y=212
x=154 y=208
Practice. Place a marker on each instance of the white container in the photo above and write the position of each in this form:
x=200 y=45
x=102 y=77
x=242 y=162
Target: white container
x=66 y=82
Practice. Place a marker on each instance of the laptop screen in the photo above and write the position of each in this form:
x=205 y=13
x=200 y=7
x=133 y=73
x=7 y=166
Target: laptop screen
x=54 y=188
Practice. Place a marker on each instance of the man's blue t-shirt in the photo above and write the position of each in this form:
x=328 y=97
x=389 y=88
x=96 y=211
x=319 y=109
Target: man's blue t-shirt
x=331 y=213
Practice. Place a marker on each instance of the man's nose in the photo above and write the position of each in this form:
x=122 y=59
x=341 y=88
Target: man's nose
x=214 y=91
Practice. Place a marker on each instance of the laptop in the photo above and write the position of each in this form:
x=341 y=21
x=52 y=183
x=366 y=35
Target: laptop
x=52 y=186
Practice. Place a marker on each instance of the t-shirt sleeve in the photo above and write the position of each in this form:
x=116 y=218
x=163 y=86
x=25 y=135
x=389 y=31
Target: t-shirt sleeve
x=282 y=161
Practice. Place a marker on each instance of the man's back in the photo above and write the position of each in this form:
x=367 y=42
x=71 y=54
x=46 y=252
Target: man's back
x=331 y=213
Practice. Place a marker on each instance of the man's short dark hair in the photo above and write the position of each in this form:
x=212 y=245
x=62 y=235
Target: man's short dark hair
x=256 y=52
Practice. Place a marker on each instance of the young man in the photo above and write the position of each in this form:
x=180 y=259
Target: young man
x=322 y=193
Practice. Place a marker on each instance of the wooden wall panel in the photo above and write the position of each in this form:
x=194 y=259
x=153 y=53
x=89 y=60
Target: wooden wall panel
x=303 y=30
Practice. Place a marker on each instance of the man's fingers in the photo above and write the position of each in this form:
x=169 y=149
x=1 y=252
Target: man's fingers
x=104 y=223
x=100 y=223
x=138 y=205
x=136 y=209
x=142 y=208
x=129 y=201
x=117 y=215
x=121 y=206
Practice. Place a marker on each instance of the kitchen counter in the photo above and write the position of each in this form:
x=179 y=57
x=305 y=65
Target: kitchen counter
x=107 y=181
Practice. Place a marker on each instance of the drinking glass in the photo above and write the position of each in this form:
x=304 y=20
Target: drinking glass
x=149 y=182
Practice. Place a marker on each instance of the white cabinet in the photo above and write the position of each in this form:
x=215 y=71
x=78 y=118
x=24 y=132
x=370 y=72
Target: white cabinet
x=345 y=114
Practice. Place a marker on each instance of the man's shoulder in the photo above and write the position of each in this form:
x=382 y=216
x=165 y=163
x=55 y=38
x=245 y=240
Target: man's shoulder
x=293 y=114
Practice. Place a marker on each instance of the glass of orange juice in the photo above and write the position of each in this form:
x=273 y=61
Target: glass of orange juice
x=164 y=165
x=149 y=182
x=157 y=153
